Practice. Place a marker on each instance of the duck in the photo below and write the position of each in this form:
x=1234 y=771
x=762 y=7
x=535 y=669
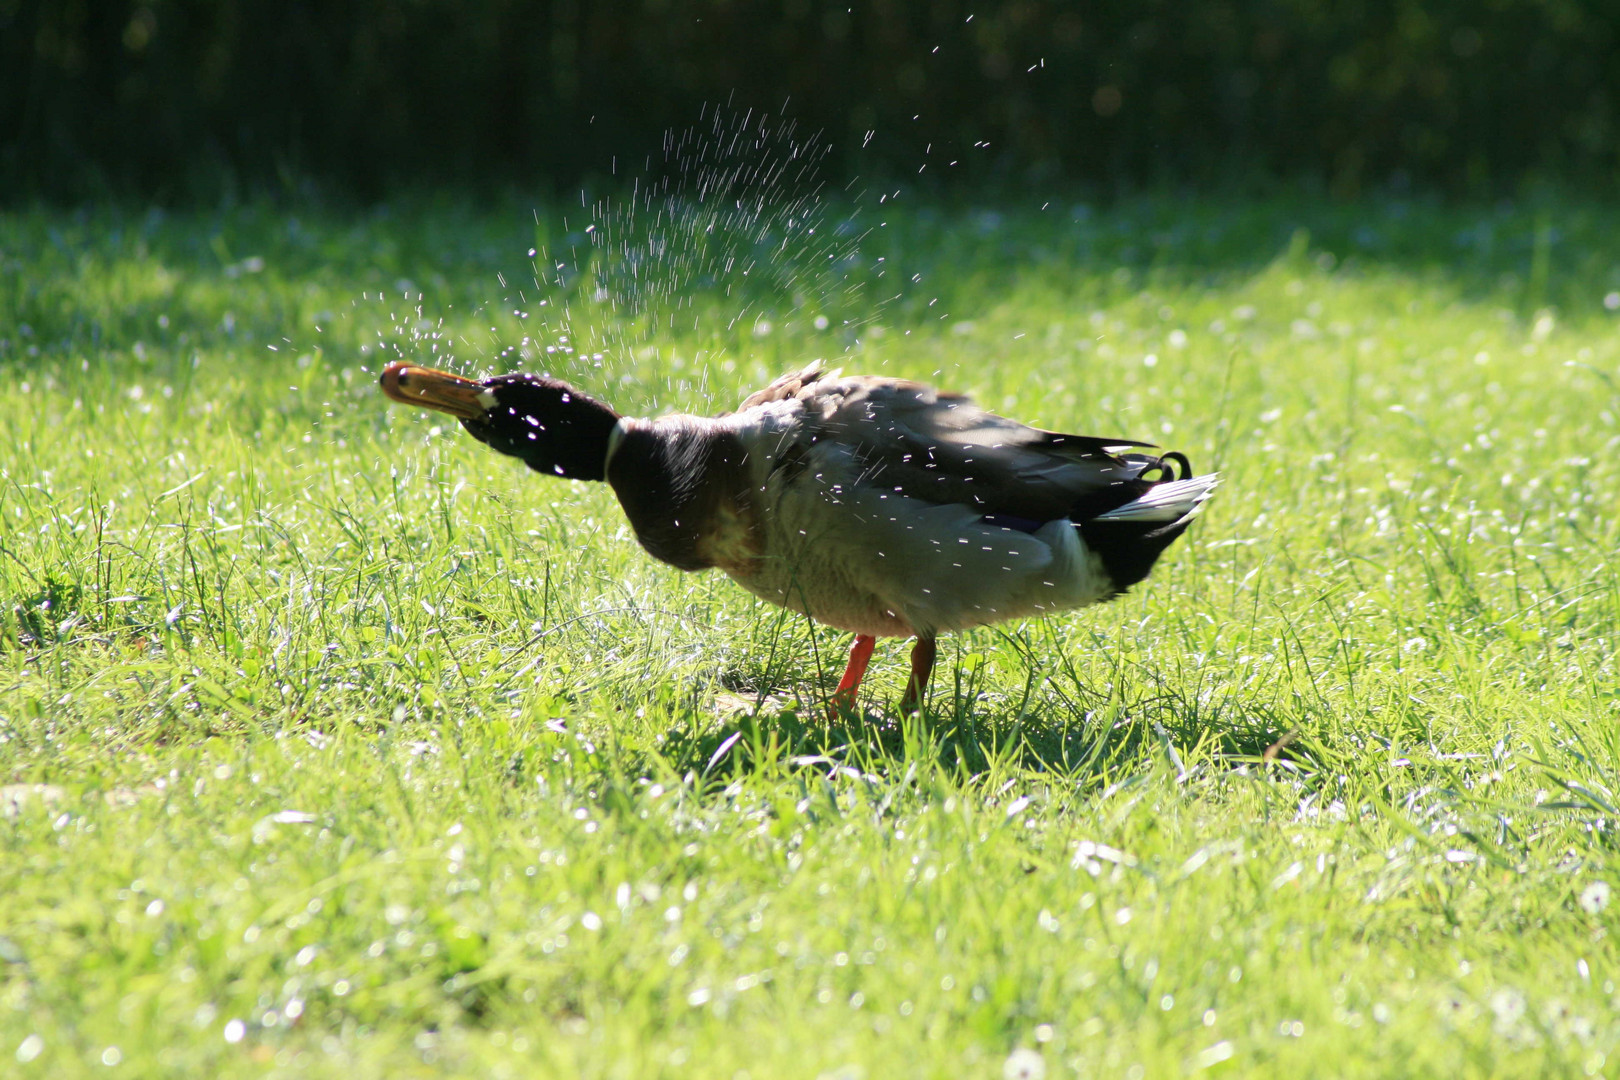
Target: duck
x=875 y=505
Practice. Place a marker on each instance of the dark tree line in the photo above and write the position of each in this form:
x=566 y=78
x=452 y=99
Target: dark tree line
x=174 y=98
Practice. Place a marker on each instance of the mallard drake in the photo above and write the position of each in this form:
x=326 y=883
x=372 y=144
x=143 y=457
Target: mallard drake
x=875 y=505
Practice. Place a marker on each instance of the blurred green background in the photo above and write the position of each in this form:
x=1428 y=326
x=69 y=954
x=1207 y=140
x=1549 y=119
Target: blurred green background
x=179 y=100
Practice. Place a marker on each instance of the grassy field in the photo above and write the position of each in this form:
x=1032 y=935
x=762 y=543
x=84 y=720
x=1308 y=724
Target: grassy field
x=335 y=746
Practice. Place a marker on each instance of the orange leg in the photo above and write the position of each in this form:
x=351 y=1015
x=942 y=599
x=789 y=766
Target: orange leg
x=922 y=666
x=860 y=654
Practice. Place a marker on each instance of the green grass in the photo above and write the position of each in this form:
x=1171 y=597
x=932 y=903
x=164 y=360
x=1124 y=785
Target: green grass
x=337 y=746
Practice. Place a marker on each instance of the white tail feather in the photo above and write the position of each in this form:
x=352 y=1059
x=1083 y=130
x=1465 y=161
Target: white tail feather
x=1171 y=503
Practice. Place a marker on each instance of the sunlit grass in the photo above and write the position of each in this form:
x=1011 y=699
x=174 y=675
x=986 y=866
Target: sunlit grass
x=333 y=744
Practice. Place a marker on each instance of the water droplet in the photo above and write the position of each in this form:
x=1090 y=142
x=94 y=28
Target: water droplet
x=30 y=1048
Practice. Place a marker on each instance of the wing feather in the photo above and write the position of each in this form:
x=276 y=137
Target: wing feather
x=943 y=448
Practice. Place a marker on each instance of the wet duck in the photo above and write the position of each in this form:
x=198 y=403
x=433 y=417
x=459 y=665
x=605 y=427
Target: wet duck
x=879 y=506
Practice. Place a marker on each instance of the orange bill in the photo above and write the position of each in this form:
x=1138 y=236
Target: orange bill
x=430 y=389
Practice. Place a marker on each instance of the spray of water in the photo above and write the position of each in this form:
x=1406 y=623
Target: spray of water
x=724 y=253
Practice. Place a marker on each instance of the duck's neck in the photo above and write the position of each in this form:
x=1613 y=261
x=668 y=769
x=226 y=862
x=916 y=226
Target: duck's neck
x=676 y=477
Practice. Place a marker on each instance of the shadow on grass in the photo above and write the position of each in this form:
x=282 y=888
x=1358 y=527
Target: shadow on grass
x=972 y=737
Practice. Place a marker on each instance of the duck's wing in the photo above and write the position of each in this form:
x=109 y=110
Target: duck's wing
x=789 y=387
x=942 y=448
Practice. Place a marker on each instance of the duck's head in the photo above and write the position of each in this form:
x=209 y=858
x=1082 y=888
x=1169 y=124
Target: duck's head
x=554 y=428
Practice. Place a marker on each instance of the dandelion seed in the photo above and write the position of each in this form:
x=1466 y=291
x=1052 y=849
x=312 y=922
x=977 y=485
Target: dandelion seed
x=1024 y=1064
x=1595 y=897
x=1508 y=1005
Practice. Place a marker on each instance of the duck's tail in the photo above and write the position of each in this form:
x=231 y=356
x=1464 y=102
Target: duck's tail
x=1168 y=506
x=1130 y=538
